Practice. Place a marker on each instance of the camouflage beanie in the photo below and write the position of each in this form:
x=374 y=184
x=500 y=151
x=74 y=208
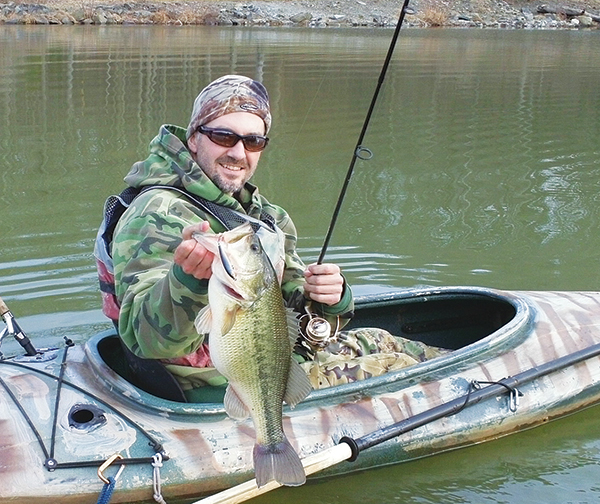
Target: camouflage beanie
x=227 y=94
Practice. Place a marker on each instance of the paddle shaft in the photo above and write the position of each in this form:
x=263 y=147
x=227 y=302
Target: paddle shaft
x=453 y=407
x=312 y=464
x=348 y=448
x=360 y=151
x=13 y=328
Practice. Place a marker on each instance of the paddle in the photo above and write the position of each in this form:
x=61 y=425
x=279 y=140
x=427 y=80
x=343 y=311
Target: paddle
x=13 y=328
x=349 y=449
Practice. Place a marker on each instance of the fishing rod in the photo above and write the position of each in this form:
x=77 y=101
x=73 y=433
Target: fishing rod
x=13 y=329
x=361 y=152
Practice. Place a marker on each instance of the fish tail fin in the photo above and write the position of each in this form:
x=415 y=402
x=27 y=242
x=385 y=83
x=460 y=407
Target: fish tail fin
x=278 y=462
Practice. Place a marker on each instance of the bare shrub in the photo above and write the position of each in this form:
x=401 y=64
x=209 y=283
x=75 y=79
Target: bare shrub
x=435 y=16
x=161 y=17
x=192 y=15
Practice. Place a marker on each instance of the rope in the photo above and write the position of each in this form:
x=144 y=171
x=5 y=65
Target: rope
x=61 y=376
x=154 y=443
x=107 y=491
x=25 y=416
x=157 y=464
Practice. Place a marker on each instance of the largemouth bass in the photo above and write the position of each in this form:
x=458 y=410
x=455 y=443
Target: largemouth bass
x=250 y=341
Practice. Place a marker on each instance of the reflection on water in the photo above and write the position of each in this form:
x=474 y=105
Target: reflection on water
x=486 y=166
x=486 y=171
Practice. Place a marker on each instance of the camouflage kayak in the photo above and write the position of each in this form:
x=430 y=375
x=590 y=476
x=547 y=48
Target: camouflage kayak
x=69 y=410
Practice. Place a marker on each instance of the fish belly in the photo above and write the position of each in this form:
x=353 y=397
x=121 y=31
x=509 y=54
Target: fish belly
x=255 y=356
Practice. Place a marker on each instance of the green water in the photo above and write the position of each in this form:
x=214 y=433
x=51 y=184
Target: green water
x=486 y=171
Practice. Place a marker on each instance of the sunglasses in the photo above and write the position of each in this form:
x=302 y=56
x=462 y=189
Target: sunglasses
x=226 y=138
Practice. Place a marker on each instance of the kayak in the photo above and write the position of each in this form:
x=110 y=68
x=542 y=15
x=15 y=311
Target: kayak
x=71 y=416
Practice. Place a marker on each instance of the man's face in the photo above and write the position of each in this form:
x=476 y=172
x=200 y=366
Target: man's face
x=229 y=168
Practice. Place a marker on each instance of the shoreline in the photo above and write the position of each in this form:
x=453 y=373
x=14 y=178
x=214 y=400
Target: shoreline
x=305 y=13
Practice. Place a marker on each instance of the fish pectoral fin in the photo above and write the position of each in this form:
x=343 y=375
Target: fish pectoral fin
x=203 y=321
x=293 y=325
x=298 y=385
x=229 y=319
x=234 y=406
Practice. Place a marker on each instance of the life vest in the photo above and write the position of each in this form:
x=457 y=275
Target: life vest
x=271 y=237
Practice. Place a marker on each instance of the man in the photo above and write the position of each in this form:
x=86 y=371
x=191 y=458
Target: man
x=196 y=180
x=161 y=272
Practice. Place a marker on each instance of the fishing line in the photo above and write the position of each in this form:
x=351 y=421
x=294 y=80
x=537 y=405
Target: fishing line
x=361 y=152
x=310 y=107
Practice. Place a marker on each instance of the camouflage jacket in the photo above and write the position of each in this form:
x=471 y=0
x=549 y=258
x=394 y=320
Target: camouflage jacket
x=159 y=301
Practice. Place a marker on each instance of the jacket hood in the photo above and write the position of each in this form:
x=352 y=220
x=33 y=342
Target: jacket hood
x=170 y=163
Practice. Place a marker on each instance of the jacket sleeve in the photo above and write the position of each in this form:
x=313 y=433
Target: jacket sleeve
x=292 y=286
x=159 y=301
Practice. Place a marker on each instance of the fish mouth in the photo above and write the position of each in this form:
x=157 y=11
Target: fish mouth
x=230 y=271
x=233 y=293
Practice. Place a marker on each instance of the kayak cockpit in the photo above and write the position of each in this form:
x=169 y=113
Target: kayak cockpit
x=447 y=318
x=472 y=322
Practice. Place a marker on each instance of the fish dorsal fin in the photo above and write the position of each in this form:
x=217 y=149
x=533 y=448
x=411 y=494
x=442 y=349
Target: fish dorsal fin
x=293 y=325
x=203 y=321
x=298 y=385
x=234 y=406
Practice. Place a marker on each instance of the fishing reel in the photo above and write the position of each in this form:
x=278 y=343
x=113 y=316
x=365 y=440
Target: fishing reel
x=317 y=331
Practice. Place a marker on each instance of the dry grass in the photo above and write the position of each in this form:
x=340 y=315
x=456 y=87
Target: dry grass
x=435 y=16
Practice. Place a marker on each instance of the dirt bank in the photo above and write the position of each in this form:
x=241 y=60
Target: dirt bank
x=570 y=14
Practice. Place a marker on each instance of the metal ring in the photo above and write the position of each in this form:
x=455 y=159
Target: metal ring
x=363 y=153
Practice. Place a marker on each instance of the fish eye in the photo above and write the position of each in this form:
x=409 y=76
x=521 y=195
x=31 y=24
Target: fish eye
x=255 y=247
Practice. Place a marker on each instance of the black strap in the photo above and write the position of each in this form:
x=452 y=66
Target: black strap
x=115 y=207
x=227 y=217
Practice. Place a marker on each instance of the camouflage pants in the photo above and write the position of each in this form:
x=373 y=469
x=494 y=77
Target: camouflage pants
x=363 y=353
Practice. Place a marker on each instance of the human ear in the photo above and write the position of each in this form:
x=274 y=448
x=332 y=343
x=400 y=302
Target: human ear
x=193 y=143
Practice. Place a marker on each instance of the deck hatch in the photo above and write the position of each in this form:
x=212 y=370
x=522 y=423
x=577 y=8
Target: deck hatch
x=86 y=416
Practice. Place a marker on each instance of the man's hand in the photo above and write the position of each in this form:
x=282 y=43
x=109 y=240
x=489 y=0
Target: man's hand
x=324 y=283
x=194 y=258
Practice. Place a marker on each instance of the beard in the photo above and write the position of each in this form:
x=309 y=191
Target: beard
x=226 y=185
x=219 y=175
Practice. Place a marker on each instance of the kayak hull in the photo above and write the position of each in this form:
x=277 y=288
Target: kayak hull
x=98 y=413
